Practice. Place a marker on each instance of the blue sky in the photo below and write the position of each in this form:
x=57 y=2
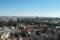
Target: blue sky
x=44 y=8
